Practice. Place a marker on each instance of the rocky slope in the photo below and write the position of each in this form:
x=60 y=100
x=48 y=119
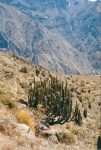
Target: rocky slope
x=24 y=129
x=21 y=35
x=77 y=21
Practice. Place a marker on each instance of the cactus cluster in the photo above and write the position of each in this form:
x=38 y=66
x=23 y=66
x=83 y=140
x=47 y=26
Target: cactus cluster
x=55 y=99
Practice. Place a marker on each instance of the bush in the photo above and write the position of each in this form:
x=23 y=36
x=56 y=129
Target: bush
x=8 y=74
x=9 y=103
x=66 y=138
x=24 y=70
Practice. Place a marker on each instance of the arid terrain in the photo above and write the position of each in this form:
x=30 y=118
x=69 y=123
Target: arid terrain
x=22 y=128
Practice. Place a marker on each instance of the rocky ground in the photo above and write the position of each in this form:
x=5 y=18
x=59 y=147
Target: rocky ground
x=25 y=129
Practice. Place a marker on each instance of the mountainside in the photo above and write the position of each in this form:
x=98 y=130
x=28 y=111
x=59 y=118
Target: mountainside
x=22 y=128
x=28 y=38
x=78 y=21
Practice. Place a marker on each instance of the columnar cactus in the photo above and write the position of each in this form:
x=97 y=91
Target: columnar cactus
x=55 y=98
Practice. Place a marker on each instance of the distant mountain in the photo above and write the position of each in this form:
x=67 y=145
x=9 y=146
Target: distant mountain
x=76 y=21
x=30 y=39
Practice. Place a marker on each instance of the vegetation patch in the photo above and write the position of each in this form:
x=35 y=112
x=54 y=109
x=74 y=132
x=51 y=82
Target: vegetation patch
x=6 y=99
x=66 y=138
x=10 y=104
x=55 y=98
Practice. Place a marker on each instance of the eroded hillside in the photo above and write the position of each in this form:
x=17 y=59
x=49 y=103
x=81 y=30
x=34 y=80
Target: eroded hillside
x=22 y=128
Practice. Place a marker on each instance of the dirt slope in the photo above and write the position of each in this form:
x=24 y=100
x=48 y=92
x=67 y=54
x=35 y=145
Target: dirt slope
x=23 y=129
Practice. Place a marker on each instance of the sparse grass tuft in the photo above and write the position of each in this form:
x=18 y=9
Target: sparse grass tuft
x=79 y=131
x=6 y=100
x=24 y=85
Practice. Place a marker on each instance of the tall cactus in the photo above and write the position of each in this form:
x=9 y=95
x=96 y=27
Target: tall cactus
x=55 y=98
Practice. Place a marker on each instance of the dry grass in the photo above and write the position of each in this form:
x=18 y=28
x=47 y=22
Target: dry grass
x=27 y=119
x=6 y=100
x=7 y=124
x=79 y=131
